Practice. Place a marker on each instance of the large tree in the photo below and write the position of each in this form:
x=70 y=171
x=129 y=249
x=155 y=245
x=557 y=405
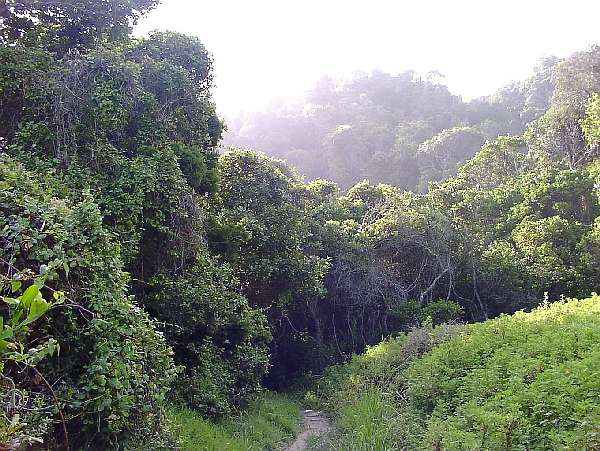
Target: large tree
x=62 y=25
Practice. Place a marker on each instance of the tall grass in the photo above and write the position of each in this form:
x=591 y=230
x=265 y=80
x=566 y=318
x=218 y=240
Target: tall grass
x=269 y=421
x=526 y=381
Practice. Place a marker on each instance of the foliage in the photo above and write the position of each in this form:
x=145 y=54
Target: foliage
x=186 y=276
x=558 y=134
x=496 y=162
x=69 y=25
x=494 y=238
x=511 y=225
x=218 y=338
x=441 y=155
x=23 y=310
x=525 y=380
x=186 y=52
x=528 y=99
x=405 y=130
x=125 y=132
x=514 y=381
x=198 y=169
x=269 y=421
x=591 y=123
x=522 y=232
x=363 y=395
x=114 y=367
x=260 y=230
x=25 y=306
x=442 y=311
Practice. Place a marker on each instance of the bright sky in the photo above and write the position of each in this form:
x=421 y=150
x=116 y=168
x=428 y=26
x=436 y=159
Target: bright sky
x=270 y=49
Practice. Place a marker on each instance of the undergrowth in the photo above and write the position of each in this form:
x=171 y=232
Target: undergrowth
x=526 y=381
x=269 y=422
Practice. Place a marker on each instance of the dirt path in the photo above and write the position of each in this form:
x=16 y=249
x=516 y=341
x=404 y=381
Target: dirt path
x=315 y=423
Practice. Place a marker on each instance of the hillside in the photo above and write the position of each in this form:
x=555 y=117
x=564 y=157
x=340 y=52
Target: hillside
x=405 y=130
x=526 y=381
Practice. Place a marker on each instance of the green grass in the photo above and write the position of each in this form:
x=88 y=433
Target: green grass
x=270 y=421
x=526 y=381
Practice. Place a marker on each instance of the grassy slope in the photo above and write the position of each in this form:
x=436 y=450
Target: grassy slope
x=526 y=381
x=270 y=421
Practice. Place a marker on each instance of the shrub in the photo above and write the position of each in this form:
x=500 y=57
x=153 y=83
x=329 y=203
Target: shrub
x=411 y=313
x=526 y=381
x=221 y=342
x=442 y=311
x=364 y=394
x=114 y=368
x=408 y=313
x=521 y=380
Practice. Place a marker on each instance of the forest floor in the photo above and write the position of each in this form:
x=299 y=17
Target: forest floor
x=315 y=424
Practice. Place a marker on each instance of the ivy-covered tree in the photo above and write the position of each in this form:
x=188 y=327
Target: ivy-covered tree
x=126 y=134
x=110 y=379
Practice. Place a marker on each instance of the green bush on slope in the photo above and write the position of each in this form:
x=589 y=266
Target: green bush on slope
x=530 y=379
x=364 y=396
x=526 y=381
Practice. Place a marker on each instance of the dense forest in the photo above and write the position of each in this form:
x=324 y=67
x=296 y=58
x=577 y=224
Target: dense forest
x=405 y=130
x=153 y=284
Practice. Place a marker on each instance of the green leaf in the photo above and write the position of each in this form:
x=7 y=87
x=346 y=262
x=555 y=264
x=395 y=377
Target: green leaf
x=15 y=285
x=38 y=307
x=29 y=295
x=10 y=301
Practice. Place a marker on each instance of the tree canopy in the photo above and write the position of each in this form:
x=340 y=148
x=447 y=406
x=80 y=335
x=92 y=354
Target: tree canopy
x=377 y=126
x=142 y=267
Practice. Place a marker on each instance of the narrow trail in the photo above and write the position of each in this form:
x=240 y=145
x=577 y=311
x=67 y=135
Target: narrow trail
x=315 y=423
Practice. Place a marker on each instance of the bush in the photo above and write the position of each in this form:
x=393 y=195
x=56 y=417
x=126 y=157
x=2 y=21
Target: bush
x=517 y=381
x=442 y=311
x=114 y=368
x=526 y=381
x=220 y=340
x=411 y=313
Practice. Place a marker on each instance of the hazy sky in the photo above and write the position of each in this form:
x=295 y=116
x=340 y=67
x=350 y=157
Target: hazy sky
x=268 y=49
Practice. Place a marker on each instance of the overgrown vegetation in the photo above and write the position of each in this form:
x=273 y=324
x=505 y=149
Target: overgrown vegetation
x=521 y=381
x=108 y=162
x=141 y=269
x=267 y=423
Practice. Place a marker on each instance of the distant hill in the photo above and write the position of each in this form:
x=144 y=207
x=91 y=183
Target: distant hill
x=405 y=130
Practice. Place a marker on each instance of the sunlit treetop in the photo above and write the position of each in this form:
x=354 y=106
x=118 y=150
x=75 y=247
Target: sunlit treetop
x=63 y=25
